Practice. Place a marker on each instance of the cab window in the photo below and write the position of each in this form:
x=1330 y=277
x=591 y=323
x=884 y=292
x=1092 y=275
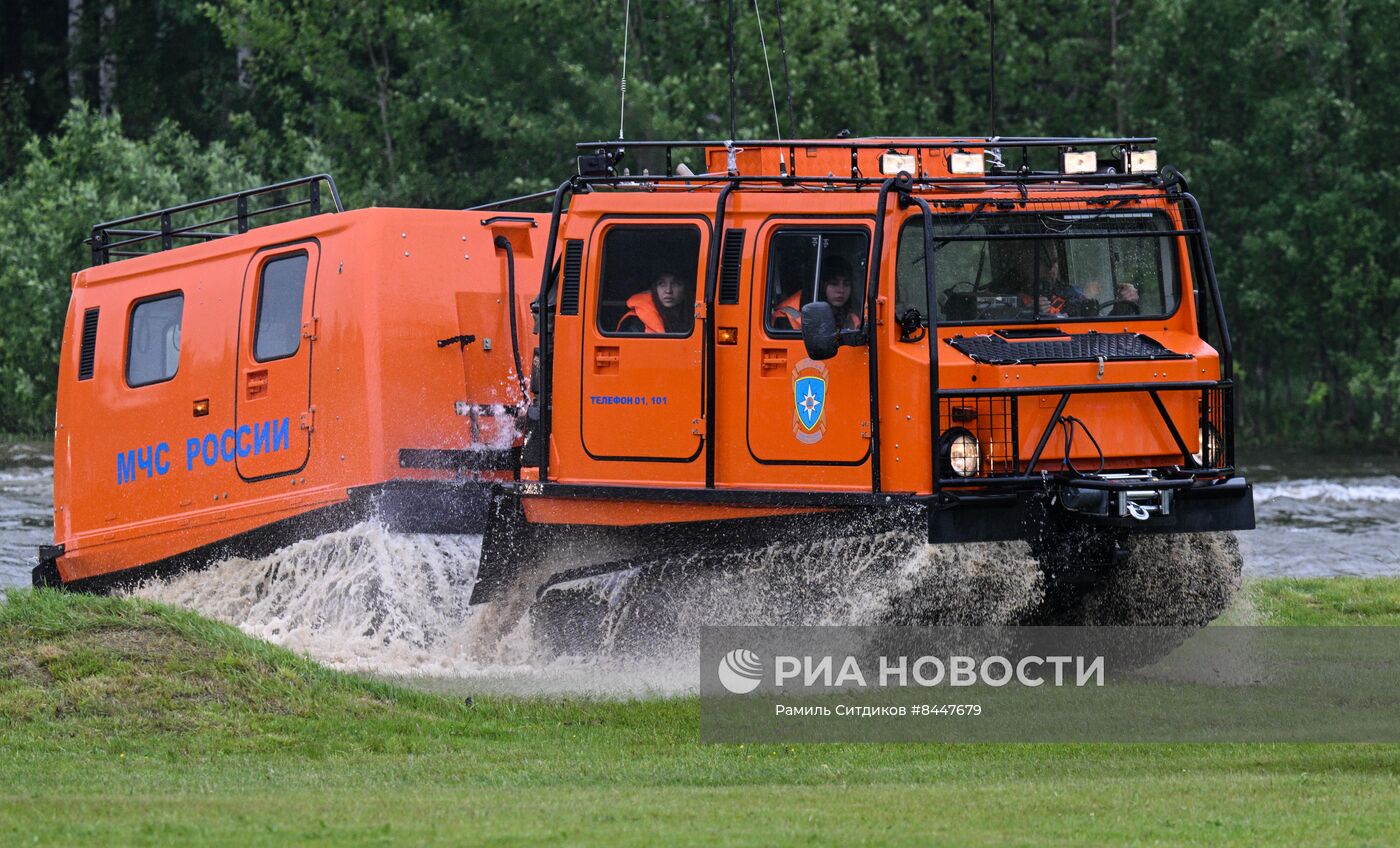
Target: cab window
x=153 y=340
x=280 y=289
x=807 y=265
x=1057 y=266
x=648 y=280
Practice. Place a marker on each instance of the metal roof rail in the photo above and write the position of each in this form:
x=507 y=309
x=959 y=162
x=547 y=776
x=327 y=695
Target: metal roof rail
x=597 y=160
x=118 y=238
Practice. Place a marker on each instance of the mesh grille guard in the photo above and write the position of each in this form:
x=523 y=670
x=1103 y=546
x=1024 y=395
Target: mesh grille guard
x=1085 y=347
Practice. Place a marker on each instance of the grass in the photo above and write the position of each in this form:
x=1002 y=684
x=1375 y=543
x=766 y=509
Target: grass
x=1320 y=601
x=124 y=722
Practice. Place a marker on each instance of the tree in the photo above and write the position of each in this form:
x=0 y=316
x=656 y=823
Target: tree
x=86 y=172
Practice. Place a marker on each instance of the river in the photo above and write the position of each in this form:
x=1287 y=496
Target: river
x=1317 y=516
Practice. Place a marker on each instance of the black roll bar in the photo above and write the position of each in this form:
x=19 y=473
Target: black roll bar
x=1227 y=348
x=931 y=289
x=872 y=291
x=545 y=395
x=711 y=275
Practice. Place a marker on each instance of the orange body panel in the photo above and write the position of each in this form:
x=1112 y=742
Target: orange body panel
x=756 y=445
x=368 y=380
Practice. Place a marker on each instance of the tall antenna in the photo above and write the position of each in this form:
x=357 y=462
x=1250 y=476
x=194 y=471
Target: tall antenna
x=622 y=109
x=992 y=64
x=733 y=101
x=772 y=95
x=787 y=80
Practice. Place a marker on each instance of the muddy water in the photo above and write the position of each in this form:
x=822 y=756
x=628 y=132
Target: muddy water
x=369 y=601
x=26 y=508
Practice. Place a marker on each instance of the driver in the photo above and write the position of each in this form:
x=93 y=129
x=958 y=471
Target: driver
x=1056 y=295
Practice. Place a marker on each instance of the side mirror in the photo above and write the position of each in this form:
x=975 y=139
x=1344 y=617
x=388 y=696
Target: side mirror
x=819 y=334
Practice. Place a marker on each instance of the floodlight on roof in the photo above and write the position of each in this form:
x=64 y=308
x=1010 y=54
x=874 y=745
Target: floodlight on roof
x=968 y=164
x=1078 y=162
x=1140 y=161
x=893 y=163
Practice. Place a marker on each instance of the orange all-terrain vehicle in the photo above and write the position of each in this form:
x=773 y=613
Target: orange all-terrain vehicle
x=789 y=340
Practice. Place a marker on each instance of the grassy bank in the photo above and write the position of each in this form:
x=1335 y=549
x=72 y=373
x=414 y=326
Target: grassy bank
x=125 y=722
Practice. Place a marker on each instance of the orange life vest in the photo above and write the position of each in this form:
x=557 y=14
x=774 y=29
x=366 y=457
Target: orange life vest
x=790 y=310
x=641 y=305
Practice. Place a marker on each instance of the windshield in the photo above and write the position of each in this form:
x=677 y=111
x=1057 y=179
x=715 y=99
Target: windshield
x=1040 y=267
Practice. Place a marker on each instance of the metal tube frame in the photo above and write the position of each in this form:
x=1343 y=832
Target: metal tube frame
x=547 y=320
x=104 y=248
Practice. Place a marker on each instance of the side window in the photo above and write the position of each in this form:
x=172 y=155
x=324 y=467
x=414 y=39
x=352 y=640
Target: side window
x=280 y=289
x=808 y=265
x=153 y=340
x=648 y=280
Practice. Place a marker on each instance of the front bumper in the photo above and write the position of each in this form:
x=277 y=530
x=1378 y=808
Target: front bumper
x=1130 y=506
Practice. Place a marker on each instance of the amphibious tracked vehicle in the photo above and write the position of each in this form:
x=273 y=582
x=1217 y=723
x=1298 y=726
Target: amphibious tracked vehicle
x=662 y=365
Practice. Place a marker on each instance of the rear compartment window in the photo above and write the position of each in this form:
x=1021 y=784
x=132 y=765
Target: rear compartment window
x=648 y=280
x=153 y=340
x=808 y=265
x=280 y=290
x=1061 y=266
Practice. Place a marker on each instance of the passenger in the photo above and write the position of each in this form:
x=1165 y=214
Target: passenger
x=836 y=290
x=665 y=307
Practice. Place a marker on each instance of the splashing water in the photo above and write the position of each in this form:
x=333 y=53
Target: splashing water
x=361 y=599
x=397 y=605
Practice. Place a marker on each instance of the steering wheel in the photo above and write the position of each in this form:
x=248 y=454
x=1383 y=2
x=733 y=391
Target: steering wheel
x=965 y=285
x=1133 y=307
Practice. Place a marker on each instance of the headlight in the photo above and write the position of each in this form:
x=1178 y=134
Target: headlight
x=1211 y=454
x=961 y=454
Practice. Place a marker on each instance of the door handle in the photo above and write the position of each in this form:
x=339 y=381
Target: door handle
x=605 y=360
x=257 y=383
x=772 y=360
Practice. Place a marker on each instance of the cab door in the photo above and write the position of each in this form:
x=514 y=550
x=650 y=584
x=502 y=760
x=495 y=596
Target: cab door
x=642 y=363
x=801 y=411
x=274 y=416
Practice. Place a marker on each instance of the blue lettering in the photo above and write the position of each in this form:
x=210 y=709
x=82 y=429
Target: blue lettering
x=126 y=467
x=282 y=434
x=143 y=460
x=262 y=437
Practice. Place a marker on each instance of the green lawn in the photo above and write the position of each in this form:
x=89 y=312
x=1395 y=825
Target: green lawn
x=123 y=722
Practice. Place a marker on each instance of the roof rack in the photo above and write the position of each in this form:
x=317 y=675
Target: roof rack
x=597 y=159
x=118 y=238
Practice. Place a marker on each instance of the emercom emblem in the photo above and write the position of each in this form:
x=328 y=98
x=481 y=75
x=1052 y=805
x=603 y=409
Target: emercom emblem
x=809 y=384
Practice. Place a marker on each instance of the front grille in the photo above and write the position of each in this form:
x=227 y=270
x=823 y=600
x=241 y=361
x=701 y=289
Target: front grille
x=1084 y=347
x=1217 y=410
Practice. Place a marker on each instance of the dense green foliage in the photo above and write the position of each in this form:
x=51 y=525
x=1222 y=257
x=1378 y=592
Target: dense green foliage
x=1285 y=119
x=126 y=722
